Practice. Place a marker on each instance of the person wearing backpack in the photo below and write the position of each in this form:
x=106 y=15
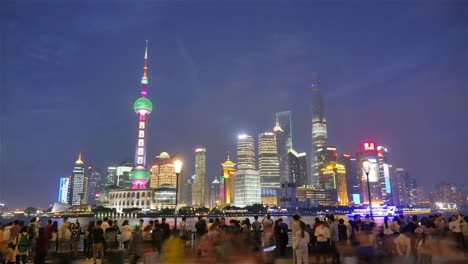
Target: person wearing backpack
x=21 y=243
x=98 y=239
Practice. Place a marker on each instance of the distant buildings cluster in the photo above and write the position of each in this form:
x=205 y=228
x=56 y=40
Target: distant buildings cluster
x=271 y=172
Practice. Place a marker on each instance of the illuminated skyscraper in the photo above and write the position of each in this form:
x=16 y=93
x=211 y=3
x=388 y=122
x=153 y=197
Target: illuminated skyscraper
x=78 y=184
x=200 y=191
x=268 y=162
x=283 y=119
x=333 y=176
x=400 y=187
x=319 y=129
x=282 y=149
x=123 y=174
x=215 y=194
x=95 y=185
x=297 y=167
x=369 y=152
x=63 y=189
x=245 y=153
x=227 y=182
x=246 y=188
x=385 y=170
x=111 y=178
x=162 y=171
x=352 y=179
x=139 y=175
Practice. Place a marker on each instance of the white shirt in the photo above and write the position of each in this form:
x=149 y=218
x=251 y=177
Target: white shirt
x=301 y=243
x=126 y=232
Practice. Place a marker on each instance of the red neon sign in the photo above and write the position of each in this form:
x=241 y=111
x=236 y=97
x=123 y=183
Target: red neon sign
x=369 y=146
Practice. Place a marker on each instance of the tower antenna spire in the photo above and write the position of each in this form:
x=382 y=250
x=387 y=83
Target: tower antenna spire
x=144 y=79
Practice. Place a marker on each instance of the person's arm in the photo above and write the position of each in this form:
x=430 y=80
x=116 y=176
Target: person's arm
x=295 y=241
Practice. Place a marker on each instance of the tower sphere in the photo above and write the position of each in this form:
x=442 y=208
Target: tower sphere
x=143 y=106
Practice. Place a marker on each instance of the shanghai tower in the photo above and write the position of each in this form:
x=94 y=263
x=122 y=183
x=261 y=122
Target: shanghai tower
x=139 y=175
x=319 y=129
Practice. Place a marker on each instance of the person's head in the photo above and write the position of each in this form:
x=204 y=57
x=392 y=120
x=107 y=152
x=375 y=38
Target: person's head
x=223 y=220
x=72 y=225
x=356 y=217
x=402 y=217
x=414 y=218
x=156 y=222
x=15 y=222
x=33 y=220
x=77 y=224
x=24 y=229
x=280 y=220
x=268 y=216
x=216 y=220
x=163 y=220
x=65 y=219
x=184 y=218
x=317 y=220
x=232 y=222
x=99 y=222
x=39 y=222
x=116 y=223
x=55 y=224
x=200 y=218
x=151 y=222
x=49 y=222
x=106 y=219
x=256 y=217
x=296 y=217
x=141 y=221
x=125 y=222
x=211 y=220
x=109 y=222
x=341 y=221
x=332 y=218
x=454 y=217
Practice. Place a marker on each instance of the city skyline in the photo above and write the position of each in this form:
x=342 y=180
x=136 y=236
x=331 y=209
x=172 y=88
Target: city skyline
x=66 y=81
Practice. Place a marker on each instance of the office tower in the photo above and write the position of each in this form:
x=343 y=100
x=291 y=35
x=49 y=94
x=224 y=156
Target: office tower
x=245 y=152
x=319 y=129
x=325 y=155
x=139 y=175
x=162 y=171
x=412 y=192
x=449 y=196
x=352 y=179
x=310 y=196
x=200 y=191
x=95 y=185
x=384 y=174
x=400 y=187
x=283 y=119
x=111 y=177
x=215 y=194
x=282 y=149
x=368 y=152
x=297 y=163
x=246 y=188
x=185 y=187
x=63 y=189
x=228 y=173
x=77 y=188
x=123 y=174
x=334 y=177
x=268 y=162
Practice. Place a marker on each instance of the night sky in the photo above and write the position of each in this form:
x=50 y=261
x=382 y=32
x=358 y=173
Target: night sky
x=392 y=72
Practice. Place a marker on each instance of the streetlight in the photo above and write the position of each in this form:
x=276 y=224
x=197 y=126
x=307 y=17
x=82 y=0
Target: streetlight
x=366 y=168
x=177 y=169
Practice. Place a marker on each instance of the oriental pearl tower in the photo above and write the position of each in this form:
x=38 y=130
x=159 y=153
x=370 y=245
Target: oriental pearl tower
x=139 y=175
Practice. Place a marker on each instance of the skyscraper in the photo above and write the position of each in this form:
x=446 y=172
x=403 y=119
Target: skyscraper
x=162 y=171
x=400 y=187
x=111 y=178
x=246 y=188
x=384 y=173
x=200 y=191
x=95 y=185
x=227 y=182
x=139 y=175
x=63 y=189
x=215 y=194
x=333 y=176
x=319 y=129
x=352 y=180
x=78 y=184
x=268 y=162
x=297 y=167
x=282 y=149
x=283 y=119
x=123 y=174
x=368 y=152
x=245 y=153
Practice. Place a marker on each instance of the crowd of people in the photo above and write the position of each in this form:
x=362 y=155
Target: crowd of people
x=432 y=239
